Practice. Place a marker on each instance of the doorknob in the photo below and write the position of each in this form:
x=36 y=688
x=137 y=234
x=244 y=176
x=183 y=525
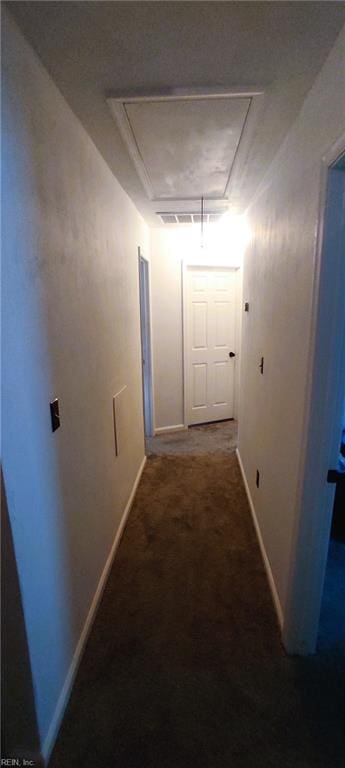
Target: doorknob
x=232 y=354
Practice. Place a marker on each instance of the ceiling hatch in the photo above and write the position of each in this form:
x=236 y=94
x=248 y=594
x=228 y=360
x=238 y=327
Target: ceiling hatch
x=184 y=147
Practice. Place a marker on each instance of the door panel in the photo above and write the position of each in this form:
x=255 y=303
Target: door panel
x=199 y=325
x=221 y=384
x=221 y=310
x=209 y=337
x=199 y=282
x=200 y=385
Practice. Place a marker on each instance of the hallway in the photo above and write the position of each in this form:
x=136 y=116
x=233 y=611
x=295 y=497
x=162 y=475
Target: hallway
x=172 y=253
x=184 y=664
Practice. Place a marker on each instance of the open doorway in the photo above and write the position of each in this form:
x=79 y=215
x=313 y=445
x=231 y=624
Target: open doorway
x=331 y=637
x=331 y=630
x=145 y=332
x=319 y=564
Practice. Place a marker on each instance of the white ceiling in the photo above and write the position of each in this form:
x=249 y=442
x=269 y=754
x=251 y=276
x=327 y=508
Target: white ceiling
x=168 y=150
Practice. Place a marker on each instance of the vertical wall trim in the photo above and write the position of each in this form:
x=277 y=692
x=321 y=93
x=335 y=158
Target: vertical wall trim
x=184 y=267
x=146 y=342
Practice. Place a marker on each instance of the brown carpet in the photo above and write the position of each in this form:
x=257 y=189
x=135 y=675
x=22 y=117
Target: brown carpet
x=184 y=665
x=218 y=437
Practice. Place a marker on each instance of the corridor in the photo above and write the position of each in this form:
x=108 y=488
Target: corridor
x=173 y=179
x=184 y=665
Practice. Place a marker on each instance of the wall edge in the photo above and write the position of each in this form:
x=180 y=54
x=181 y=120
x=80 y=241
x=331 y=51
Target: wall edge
x=268 y=569
x=56 y=722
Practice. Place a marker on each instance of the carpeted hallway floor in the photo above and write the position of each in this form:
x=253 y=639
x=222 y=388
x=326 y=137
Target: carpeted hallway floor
x=184 y=665
x=219 y=437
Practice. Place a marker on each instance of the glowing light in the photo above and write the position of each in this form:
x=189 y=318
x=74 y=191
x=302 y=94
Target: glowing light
x=228 y=238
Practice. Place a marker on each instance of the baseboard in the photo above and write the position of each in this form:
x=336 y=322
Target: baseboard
x=273 y=588
x=172 y=428
x=51 y=736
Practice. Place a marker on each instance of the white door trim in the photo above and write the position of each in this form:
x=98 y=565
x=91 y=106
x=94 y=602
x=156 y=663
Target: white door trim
x=145 y=310
x=322 y=424
x=185 y=265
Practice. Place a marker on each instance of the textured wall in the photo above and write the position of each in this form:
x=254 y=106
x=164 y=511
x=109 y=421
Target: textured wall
x=71 y=330
x=166 y=297
x=279 y=271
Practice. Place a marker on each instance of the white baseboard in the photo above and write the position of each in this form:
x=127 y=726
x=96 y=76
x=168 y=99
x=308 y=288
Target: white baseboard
x=54 y=727
x=266 y=561
x=172 y=428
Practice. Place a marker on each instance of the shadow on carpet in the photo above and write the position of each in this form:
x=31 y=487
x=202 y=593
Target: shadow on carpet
x=184 y=664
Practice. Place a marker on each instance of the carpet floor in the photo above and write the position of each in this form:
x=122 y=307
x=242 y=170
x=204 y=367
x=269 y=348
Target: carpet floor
x=184 y=665
x=216 y=438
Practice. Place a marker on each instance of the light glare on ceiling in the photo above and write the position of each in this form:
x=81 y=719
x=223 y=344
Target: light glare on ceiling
x=228 y=236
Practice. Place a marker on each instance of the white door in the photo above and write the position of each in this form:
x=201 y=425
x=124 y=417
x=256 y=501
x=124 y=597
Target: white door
x=210 y=354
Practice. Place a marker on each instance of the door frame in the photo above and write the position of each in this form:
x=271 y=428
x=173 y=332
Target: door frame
x=185 y=266
x=146 y=342
x=323 y=415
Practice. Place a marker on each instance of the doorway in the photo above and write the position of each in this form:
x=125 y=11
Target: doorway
x=325 y=416
x=210 y=343
x=331 y=636
x=145 y=333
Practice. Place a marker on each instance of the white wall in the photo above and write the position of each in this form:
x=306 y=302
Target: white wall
x=170 y=246
x=71 y=330
x=278 y=280
x=166 y=310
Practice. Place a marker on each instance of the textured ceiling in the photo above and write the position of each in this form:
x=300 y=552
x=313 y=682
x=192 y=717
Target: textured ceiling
x=94 y=50
x=183 y=148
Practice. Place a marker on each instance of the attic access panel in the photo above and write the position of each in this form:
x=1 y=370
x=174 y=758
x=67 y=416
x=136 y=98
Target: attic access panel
x=184 y=147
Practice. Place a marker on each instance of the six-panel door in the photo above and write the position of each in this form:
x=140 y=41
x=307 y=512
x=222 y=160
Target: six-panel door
x=209 y=339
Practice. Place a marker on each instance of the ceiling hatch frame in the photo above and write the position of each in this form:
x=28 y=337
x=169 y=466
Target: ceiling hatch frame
x=255 y=95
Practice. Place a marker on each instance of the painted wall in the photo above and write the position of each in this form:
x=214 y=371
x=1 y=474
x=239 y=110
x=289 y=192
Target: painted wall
x=70 y=330
x=278 y=281
x=170 y=246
